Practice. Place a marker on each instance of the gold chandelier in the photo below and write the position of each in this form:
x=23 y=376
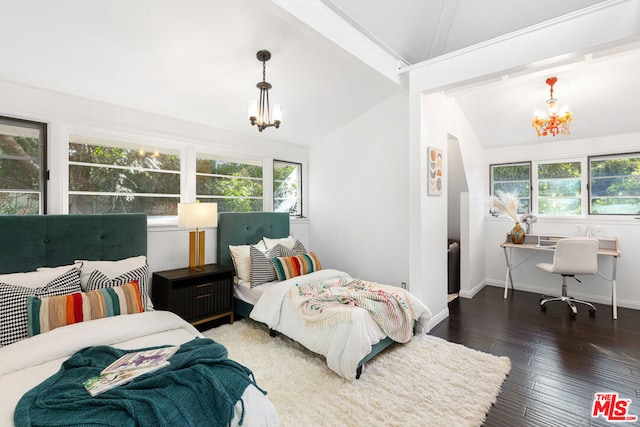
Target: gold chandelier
x=260 y=113
x=552 y=121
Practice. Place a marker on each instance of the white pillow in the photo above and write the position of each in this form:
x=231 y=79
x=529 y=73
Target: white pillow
x=242 y=260
x=111 y=269
x=287 y=242
x=101 y=274
x=38 y=278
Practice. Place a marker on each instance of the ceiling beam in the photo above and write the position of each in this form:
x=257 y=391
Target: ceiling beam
x=317 y=15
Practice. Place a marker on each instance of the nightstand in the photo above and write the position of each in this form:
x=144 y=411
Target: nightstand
x=196 y=296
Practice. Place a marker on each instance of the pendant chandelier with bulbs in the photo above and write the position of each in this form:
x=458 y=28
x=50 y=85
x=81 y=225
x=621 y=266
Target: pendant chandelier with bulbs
x=552 y=122
x=260 y=113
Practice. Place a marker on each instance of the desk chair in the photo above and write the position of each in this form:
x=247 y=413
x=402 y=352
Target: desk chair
x=572 y=256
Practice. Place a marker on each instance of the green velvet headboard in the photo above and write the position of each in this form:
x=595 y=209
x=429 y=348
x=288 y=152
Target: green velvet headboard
x=32 y=241
x=247 y=228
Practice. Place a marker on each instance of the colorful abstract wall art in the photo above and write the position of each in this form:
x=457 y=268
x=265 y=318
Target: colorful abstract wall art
x=435 y=171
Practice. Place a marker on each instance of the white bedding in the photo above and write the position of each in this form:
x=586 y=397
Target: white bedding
x=345 y=344
x=243 y=291
x=27 y=363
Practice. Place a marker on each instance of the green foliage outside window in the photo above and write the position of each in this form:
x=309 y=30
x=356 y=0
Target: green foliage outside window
x=108 y=179
x=515 y=179
x=559 y=188
x=21 y=167
x=615 y=185
x=234 y=186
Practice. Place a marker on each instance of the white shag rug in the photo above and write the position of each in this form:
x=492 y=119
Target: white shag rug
x=426 y=382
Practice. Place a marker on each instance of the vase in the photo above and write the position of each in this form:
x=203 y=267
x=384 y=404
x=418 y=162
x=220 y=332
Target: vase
x=517 y=234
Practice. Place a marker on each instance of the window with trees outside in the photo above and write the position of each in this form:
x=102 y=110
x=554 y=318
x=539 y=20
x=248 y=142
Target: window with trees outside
x=23 y=170
x=515 y=179
x=614 y=184
x=116 y=177
x=559 y=188
x=287 y=187
x=235 y=185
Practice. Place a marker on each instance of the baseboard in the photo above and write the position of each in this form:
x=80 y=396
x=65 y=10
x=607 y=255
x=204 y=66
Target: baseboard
x=438 y=318
x=471 y=293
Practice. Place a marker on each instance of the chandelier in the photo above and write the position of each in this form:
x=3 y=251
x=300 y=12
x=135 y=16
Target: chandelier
x=552 y=122
x=260 y=113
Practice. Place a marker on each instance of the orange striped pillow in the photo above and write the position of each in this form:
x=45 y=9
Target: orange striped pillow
x=45 y=314
x=292 y=266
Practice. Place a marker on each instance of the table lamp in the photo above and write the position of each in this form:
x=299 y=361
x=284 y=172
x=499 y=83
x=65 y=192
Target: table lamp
x=196 y=215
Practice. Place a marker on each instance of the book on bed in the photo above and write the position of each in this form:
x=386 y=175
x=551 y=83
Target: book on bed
x=128 y=367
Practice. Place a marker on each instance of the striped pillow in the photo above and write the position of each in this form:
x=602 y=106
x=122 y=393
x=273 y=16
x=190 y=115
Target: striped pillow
x=292 y=266
x=48 y=313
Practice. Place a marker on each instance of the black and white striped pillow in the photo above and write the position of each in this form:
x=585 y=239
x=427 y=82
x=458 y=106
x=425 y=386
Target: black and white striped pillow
x=13 y=303
x=99 y=280
x=262 y=270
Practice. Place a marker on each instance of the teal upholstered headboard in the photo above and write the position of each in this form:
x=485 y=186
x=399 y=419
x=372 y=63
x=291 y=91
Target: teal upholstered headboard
x=247 y=228
x=32 y=241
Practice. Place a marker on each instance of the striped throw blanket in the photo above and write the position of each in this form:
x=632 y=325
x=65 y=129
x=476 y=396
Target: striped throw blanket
x=324 y=303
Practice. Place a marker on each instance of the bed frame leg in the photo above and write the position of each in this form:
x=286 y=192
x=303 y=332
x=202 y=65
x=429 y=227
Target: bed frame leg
x=359 y=372
x=272 y=332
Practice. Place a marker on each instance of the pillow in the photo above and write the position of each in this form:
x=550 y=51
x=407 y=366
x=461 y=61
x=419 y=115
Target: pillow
x=36 y=279
x=13 y=303
x=99 y=280
x=242 y=259
x=47 y=313
x=298 y=248
x=288 y=267
x=116 y=273
x=109 y=268
x=287 y=242
x=261 y=268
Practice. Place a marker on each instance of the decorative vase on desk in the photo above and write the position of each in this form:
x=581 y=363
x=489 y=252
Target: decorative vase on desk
x=517 y=234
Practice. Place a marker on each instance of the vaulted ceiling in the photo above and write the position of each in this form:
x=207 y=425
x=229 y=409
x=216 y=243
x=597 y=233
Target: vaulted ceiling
x=196 y=60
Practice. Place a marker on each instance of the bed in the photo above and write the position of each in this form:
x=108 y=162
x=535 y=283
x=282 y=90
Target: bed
x=31 y=242
x=347 y=346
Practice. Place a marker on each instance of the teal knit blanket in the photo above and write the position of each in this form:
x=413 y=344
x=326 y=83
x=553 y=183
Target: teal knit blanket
x=200 y=387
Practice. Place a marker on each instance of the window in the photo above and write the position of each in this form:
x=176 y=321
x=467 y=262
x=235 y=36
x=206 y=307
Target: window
x=287 y=187
x=115 y=177
x=614 y=184
x=23 y=153
x=559 y=188
x=235 y=185
x=513 y=178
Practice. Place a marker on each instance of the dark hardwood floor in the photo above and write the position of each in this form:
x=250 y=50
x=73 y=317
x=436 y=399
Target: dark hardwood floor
x=558 y=363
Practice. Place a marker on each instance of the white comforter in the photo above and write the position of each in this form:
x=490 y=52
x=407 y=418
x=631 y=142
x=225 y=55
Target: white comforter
x=345 y=344
x=27 y=363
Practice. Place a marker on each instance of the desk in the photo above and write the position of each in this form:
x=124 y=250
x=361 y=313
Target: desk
x=608 y=246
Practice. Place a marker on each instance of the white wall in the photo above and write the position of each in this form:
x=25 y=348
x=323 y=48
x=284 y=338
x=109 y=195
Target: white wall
x=441 y=119
x=167 y=244
x=358 y=195
x=626 y=229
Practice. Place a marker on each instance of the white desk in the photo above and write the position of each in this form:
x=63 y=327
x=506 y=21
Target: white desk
x=608 y=246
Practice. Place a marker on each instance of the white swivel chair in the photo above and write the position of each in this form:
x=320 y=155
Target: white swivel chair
x=574 y=255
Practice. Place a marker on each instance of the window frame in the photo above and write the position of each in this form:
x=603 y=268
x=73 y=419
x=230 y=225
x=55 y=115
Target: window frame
x=491 y=182
x=300 y=195
x=199 y=154
x=42 y=127
x=116 y=141
x=536 y=195
x=634 y=154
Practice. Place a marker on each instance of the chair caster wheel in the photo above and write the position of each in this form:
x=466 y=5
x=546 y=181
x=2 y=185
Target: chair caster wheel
x=592 y=312
x=543 y=308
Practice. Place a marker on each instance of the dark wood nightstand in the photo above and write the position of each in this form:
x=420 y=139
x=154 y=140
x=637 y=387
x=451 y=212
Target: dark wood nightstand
x=196 y=296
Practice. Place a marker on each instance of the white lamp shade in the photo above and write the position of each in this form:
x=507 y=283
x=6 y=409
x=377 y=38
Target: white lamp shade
x=196 y=215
